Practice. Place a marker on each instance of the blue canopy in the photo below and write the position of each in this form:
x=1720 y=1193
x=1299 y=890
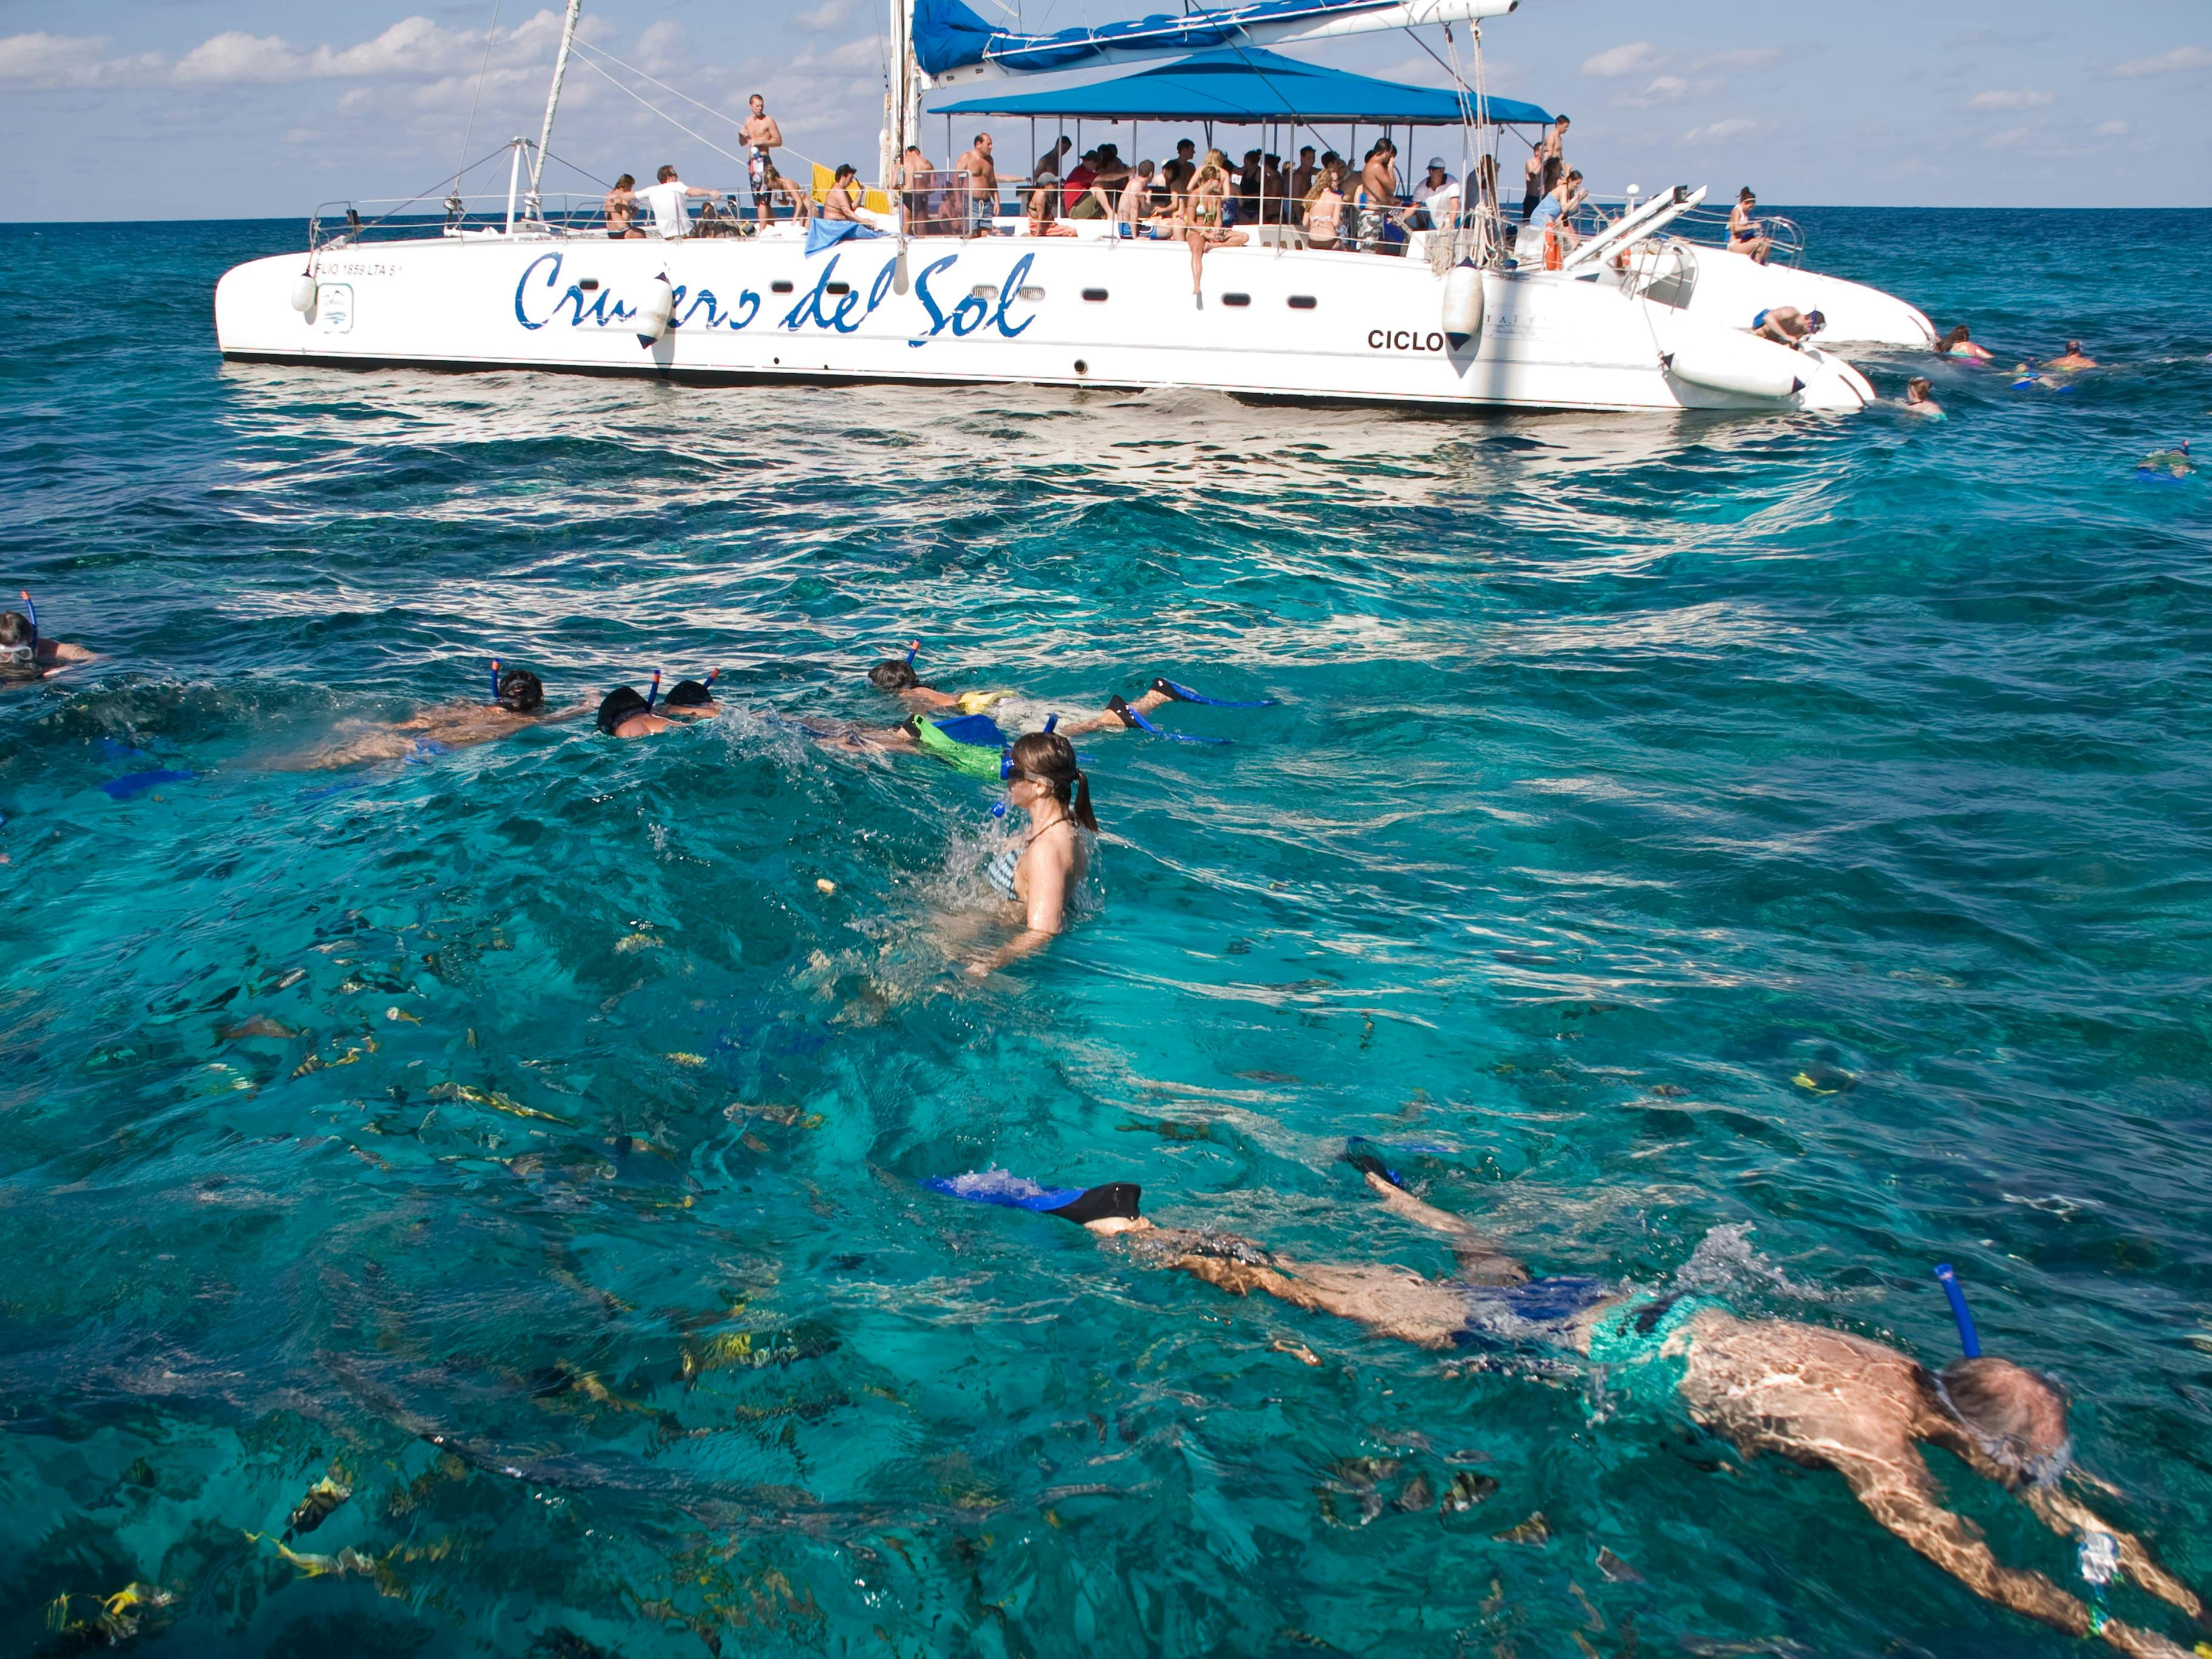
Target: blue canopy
x=1238 y=85
x=947 y=35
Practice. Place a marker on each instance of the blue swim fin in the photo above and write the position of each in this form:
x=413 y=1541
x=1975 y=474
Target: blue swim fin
x=1184 y=693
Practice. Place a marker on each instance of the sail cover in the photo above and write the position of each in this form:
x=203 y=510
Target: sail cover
x=948 y=36
x=1247 y=85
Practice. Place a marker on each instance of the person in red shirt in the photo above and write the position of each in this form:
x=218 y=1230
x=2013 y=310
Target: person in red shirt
x=1080 y=181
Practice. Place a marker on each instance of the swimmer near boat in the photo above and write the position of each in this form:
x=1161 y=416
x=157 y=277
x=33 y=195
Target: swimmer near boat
x=1821 y=1397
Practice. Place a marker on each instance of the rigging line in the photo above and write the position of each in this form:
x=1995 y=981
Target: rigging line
x=427 y=189
x=718 y=115
x=482 y=68
x=671 y=119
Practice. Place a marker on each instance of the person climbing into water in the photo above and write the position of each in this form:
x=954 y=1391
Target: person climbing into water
x=518 y=702
x=1036 y=875
x=1787 y=325
x=27 y=655
x=1820 y=1397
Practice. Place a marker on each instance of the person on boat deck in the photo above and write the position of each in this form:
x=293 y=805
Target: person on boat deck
x=1044 y=219
x=27 y=655
x=1054 y=160
x=2072 y=358
x=1136 y=206
x=983 y=172
x=918 y=192
x=518 y=703
x=1959 y=344
x=1558 y=209
x=1302 y=175
x=1177 y=173
x=1247 y=191
x=1920 y=397
x=1821 y=1398
x=671 y=218
x=1037 y=875
x=1436 y=198
x=1324 y=205
x=843 y=200
x=761 y=135
x=898 y=677
x=1552 y=154
x=1078 y=200
x=621 y=209
x=1376 y=196
x=1787 y=325
x=1202 y=216
x=1532 y=182
x=1744 y=234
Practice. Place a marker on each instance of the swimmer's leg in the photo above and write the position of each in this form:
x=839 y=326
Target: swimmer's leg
x=1110 y=718
x=1387 y=1301
x=2068 y=1517
x=1482 y=1260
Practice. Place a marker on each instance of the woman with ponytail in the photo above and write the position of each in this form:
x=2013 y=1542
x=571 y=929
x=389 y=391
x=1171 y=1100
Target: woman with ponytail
x=1038 y=873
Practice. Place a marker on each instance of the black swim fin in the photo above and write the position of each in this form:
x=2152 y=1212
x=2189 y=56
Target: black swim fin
x=1115 y=1200
x=1359 y=1153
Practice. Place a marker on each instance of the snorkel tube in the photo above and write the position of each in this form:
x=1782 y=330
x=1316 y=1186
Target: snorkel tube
x=31 y=605
x=495 y=679
x=913 y=646
x=652 y=695
x=1968 y=1341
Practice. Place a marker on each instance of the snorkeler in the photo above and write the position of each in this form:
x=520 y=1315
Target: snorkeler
x=1820 y=1397
x=26 y=655
x=518 y=701
x=897 y=676
x=1036 y=875
x=2167 y=463
x=1920 y=398
x=1959 y=343
x=2072 y=357
x=624 y=714
x=1787 y=325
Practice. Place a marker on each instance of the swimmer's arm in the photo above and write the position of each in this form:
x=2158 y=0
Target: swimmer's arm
x=1902 y=1499
x=1482 y=1260
x=2067 y=1516
x=55 y=655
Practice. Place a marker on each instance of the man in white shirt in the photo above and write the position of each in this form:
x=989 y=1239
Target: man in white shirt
x=667 y=199
x=1436 y=198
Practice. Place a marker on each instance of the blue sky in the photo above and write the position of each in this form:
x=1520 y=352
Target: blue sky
x=254 y=108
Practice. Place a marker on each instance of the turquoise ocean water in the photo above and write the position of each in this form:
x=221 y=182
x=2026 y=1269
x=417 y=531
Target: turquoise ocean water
x=1770 y=854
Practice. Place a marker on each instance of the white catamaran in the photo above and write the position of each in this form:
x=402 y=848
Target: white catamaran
x=1447 y=316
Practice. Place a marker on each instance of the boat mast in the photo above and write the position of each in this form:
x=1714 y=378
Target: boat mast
x=900 y=116
x=552 y=103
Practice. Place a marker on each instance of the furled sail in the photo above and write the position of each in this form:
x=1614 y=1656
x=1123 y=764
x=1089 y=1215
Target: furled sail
x=950 y=41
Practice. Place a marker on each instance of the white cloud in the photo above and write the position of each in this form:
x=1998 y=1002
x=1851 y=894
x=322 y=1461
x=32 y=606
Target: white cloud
x=2007 y=139
x=1661 y=89
x=70 y=60
x=2027 y=98
x=1720 y=131
x=2113 y=130
x=662 y=49
x=2180 y=61
x=829 y=15
x=1743 y=57
x=1636 y=57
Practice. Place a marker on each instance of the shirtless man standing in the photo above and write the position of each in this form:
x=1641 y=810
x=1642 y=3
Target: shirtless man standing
x=762 y=136
x=982 y=185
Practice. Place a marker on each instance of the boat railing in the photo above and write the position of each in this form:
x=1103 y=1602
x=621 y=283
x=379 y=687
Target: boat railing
x=392 y=219
x=1707 y=224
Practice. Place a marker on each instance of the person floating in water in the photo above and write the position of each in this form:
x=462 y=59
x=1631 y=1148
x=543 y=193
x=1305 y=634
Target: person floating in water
x=518 y=702
x=2072 y=357
x=27 y=655
x=624 y=714
x=1820 y=1397
x=1960 y=343
x=2167 y=463
x=1036 y=875
x=1920 y=398
x=1009 y=709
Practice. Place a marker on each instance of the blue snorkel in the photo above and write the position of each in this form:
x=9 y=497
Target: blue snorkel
x=495 y=679
x=652 y=695
x=912 y=647
x=31 y=606
x=1968 y=1341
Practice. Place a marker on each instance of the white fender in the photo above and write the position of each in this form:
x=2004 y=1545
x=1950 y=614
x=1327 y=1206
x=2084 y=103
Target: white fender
x=652 y=316
x=1726 y=360
x=1464 y=304
x=303 y=292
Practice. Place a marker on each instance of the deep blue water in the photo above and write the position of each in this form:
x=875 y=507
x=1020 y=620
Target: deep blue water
x=1768 y=853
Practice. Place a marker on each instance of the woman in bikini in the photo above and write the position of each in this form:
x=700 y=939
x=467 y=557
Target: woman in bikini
x=621 y=209
x=1036 y=875
x=1202 y=226
x=1744 y=234
x=1325 y=207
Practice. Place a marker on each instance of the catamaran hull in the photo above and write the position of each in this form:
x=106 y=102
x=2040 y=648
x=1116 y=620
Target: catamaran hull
x=1732 y=289
x=1049 y=311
